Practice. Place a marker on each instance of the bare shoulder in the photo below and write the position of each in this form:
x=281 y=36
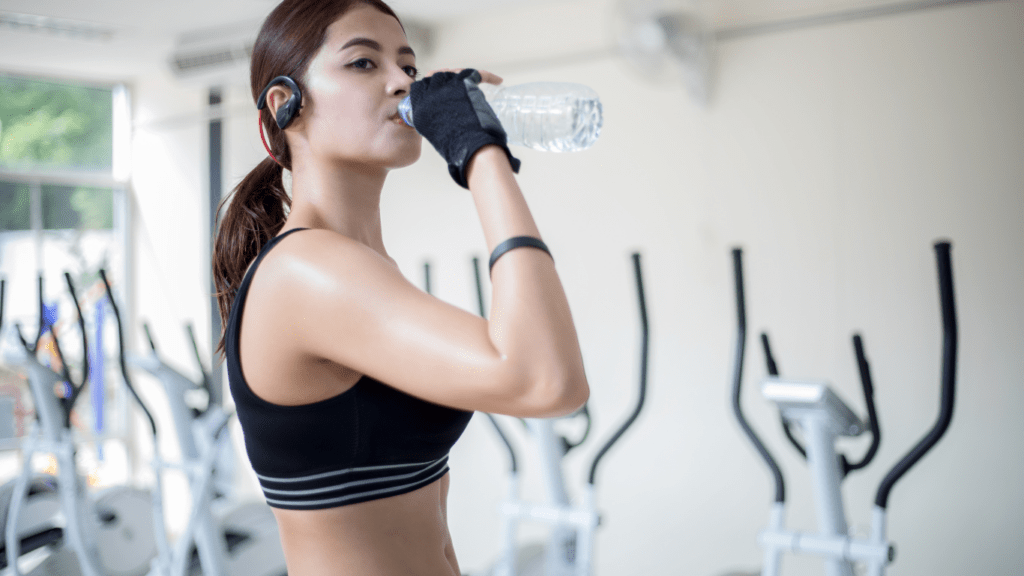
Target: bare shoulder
x=336 y=291
x=313 y=253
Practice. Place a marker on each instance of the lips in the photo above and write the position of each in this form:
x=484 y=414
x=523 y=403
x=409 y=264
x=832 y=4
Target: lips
x=397 y=118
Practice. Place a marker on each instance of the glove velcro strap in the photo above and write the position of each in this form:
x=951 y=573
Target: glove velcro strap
x=460 y=160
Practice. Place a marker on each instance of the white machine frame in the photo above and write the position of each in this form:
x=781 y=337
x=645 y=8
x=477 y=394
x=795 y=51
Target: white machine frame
x=101 y=549
x=569 y=548
x=823 y=418
x=207 y=461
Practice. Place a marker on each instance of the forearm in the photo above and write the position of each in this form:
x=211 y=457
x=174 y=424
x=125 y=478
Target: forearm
x=530 y=321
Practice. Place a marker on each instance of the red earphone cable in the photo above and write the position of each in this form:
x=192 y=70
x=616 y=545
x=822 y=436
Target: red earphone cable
x=260 y=120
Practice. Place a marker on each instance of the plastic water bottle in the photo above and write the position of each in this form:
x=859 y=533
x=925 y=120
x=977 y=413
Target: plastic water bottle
x=545 y=116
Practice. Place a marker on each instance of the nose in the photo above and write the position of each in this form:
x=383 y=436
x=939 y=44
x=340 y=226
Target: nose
x=399 y=82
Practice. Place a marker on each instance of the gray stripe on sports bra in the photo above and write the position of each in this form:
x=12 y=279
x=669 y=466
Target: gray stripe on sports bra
x=342 y=499
x=347 y=471
x=342 y=486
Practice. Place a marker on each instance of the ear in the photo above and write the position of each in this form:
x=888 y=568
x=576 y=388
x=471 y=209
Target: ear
x=278 y=96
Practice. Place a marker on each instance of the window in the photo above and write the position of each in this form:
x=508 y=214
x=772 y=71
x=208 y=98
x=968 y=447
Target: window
x=63 y=208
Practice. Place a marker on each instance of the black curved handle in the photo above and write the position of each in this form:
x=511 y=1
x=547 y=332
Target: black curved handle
x=42 y=317
x=34 y=347
x=513 y=463
x=76 y=388
x=869 y=400
x=199 y=359
x=773 y=370
x=949 y=353
x=585 y=413
x=644 y=347
x=121 y=355
x=737 y=377
x=149 y=337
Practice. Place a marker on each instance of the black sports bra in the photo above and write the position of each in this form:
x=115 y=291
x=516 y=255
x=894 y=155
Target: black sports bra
x=371 y=441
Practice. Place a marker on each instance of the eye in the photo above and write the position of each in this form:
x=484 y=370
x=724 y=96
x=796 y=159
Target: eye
x=363 y=64
x=411 y=71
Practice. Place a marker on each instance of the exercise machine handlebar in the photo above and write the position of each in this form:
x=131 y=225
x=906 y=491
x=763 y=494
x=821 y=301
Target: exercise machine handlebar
x=42 y=318
x=773 y=370
x=949 y=354
x=737 y=380
x=199 y=360
x=149 y=337
x=67 y=402
x=76 y=389
x=645 y=343
x=869 y=400
x=121 y=354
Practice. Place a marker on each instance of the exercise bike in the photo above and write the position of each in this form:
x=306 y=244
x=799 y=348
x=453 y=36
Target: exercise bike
x=569 y=548
x=822 y=417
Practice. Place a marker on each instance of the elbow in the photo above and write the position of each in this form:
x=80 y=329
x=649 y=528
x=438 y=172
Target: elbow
x=556 y=396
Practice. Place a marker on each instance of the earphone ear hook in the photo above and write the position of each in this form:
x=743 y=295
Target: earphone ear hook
x=290 y=109
x=286 y=113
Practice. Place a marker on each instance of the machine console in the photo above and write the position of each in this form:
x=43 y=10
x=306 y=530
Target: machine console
x=799 y=401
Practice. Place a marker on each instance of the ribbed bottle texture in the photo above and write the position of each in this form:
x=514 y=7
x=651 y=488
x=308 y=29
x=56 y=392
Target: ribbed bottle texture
x=545 y=116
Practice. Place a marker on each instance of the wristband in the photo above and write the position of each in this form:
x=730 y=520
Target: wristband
x=512 y=244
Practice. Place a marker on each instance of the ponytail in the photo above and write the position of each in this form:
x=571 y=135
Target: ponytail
x=256 y=213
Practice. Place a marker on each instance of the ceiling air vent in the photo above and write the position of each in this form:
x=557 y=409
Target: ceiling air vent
x=186 y=63
x=215 y=56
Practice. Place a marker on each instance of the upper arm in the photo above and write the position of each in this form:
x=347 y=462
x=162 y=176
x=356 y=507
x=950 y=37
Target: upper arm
x=349 y=305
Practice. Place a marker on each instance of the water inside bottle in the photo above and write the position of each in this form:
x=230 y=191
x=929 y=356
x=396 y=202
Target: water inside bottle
x=547 y=116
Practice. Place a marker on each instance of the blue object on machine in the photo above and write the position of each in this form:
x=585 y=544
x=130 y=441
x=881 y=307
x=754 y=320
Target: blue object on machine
x=49 y=316
x=96 y=370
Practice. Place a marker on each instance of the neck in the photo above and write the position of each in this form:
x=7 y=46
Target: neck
x=338 y=197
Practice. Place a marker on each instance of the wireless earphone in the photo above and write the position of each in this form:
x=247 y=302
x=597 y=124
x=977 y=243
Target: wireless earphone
x=290 y=109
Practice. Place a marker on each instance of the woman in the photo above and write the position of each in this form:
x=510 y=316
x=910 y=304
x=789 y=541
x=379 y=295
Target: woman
x=350 y=383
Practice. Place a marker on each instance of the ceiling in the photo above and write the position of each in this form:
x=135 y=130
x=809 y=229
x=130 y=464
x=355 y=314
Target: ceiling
x=132 y=34
x=179 y=15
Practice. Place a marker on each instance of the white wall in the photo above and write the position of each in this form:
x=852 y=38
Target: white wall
x=835 y=156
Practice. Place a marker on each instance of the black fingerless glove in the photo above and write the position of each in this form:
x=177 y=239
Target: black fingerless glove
x=452 y=114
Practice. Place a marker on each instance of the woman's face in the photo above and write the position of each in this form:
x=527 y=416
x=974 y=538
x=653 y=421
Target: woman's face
x=355 y=82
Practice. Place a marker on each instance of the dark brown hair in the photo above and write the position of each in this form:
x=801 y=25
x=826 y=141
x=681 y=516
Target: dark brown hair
x=290 y=37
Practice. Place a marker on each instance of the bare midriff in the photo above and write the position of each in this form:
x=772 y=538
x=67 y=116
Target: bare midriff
x=404 y=535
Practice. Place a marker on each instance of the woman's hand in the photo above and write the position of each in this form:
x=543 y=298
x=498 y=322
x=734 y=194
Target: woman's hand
x=451 y=113
x=485 y=76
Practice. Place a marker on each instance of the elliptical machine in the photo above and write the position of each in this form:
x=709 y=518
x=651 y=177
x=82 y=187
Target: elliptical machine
x=222 y=537
x=110 y=531
x=569 y=549
x=37 y=528
x=823 y=417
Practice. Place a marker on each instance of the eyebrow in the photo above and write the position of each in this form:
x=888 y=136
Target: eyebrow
x=374 y=45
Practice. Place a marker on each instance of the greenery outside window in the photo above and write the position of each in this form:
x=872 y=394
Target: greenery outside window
x=55 y=125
